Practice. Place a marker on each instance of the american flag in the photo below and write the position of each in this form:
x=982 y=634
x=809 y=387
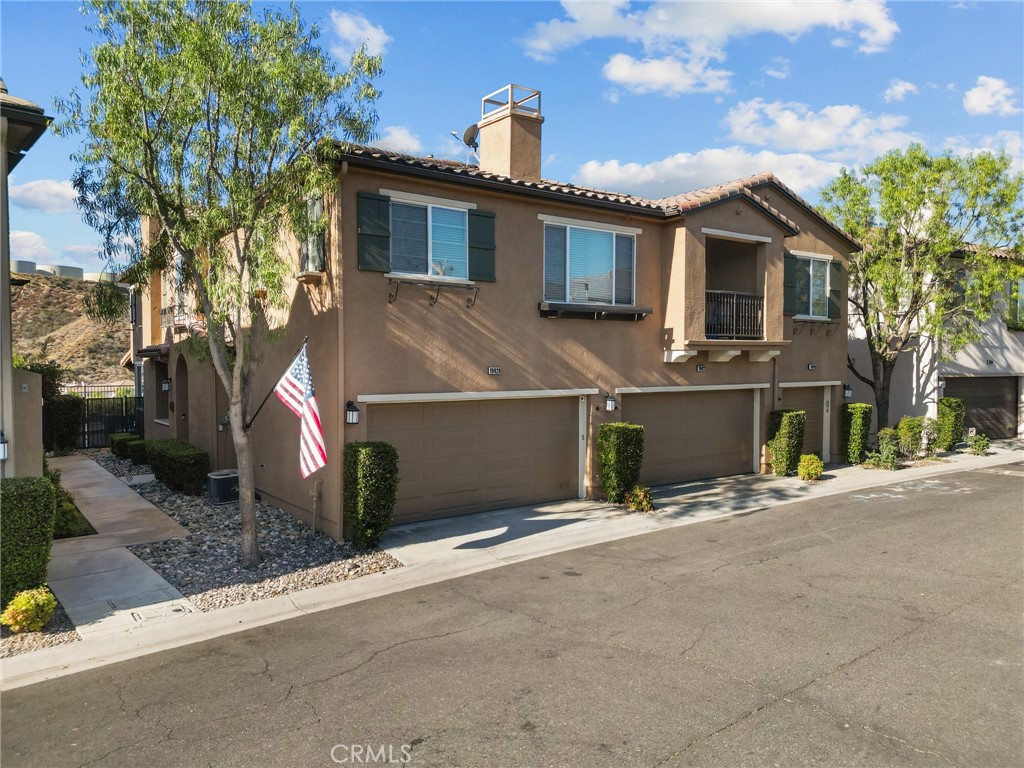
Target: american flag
x=295 y=389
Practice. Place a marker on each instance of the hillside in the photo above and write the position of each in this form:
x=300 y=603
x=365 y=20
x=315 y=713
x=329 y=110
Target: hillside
x=50 y=309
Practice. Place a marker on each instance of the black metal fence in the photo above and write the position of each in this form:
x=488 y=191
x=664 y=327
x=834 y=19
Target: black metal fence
x=101 y=417
x=733 y=315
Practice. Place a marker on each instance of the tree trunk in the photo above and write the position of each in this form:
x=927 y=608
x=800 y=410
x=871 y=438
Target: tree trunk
x=883 y=383
x=250 y=556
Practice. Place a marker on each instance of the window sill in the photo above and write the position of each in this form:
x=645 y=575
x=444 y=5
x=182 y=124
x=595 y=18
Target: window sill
x=413 y=278
x=814 y=318
x=593 y=311
x=162 y=422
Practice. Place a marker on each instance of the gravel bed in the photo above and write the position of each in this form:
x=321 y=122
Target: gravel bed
x=204 y=565
x=58 y=631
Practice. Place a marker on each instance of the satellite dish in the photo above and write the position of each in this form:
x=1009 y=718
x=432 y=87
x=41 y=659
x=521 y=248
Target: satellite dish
x=470 y=135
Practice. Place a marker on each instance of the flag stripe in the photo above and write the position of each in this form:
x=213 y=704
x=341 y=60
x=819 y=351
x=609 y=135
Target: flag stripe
x=295 y=390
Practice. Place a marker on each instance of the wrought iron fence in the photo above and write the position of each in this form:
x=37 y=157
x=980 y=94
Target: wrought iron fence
x=105 y=412
x=733 y=315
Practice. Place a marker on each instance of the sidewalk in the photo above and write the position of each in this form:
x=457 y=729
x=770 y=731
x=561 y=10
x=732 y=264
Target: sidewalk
x=439 y=550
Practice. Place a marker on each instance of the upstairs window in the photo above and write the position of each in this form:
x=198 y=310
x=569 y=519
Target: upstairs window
x=588 y=266
x=812 y=286
x=429 y=240
x=311 y=250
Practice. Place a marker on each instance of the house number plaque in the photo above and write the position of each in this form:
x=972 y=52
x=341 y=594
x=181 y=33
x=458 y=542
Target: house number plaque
x=494 y=370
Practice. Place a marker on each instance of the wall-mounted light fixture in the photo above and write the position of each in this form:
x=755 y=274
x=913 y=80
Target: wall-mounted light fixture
x=3 y=447
x=609 y=402
x=942 y=383
x=351 y=413
x=847 y=390
x=701 y=368
x=811 y=366
x=990 y=362
x=165 y=385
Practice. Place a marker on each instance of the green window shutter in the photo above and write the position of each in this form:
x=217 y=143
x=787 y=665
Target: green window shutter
x=835 y=289
x=481 y=246
x=789 y=264
x=374 y=227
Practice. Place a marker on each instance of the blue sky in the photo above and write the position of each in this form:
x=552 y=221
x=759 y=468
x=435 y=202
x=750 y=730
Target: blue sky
x=648 y=98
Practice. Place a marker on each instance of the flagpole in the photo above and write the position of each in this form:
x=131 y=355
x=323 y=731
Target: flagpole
x=250 y=421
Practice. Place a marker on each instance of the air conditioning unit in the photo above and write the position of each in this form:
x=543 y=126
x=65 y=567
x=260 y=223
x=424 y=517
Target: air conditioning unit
x=223 y=486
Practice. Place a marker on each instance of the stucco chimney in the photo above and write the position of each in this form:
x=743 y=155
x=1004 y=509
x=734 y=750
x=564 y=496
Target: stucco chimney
x=510 y=122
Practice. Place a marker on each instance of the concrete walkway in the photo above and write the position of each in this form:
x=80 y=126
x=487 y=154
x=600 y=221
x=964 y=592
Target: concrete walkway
x=439 y=550
x=103 y=587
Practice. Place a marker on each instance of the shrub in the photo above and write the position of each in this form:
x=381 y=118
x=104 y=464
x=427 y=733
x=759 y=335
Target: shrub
x=978 y=444
x=29 y=610
x=639 y=499
x=910 y=432
x=856 y=419
x=179 y=465
x=68 y=412
x=786 y=440
x=370 y=476
x=888 y=454
x=930 y=436
x=951 y=422
x=119 y=443
x=68 y=521
x=26 y=534
x=53 y=375
x=137 y=451
x=620 y=452
x=810 y=468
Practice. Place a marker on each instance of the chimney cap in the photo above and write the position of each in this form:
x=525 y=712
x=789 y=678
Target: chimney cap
x=511 y=99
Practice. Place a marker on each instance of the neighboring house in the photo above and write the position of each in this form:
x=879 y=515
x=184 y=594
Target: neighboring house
x=988 y=375
x=21 y=435
x=482 y=320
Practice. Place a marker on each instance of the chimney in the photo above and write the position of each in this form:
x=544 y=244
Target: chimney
x=510 y=122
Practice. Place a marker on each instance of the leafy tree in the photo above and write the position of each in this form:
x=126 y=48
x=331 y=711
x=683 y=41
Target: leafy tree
x=217 y=124
x=937 y=232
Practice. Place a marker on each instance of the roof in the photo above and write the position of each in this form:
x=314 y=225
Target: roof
x=665 y=207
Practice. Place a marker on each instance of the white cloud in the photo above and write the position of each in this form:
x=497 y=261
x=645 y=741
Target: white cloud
x=1010 y=142
x=29 y=246
x=688 y=171
x=352 y=30
x=898 y=90
x=398 y=138
x=840 y=42
x=47 y=195
x=844 y=132
x=779 y=68
x=991 y=96
x=670 y=75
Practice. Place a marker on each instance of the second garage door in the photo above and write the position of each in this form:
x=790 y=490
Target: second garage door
x=460 y=457
x=810 y=400
x=990 y=402
x=693 y=435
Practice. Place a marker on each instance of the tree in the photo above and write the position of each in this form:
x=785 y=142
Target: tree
x=938 y=233
x=219 y=125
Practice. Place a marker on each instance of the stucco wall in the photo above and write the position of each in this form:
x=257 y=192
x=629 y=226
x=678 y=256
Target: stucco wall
x=27 y=445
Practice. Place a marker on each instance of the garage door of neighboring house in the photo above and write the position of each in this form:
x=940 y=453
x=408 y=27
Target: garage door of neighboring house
x=990 y=401
x=694 y=435
x=469 y=456
x=812 y=401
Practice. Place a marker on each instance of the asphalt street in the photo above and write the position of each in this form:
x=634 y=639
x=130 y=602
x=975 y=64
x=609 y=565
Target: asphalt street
x=882 y=627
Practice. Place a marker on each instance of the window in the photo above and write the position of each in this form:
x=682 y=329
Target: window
x=311 y=251
x=588 y=266
x=812 y=286
x=1015 y=305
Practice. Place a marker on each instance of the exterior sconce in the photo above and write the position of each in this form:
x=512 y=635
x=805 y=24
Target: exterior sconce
x=811 y=366
x=165 y=385
x=990 y=362
x=609 y=402
x=847 y=391
x=942 y=383
x=701 y=368
x=351 y=413
x=3 y=447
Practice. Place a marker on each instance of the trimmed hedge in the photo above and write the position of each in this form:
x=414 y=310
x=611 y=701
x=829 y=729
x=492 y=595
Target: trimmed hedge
x=620 y=452
x=179 y=465
x=68 y=521
x=136 y=450
x=119 y=443
x=856 y=420
x=951 y=422
x=810 y=468
x=370 y=476
x=68 y=412
x=786 y=440
x=26 y=534
x=910 y=431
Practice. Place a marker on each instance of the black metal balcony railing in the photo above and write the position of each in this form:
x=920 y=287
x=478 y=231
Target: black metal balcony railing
x=173 y=317
x=732 y=315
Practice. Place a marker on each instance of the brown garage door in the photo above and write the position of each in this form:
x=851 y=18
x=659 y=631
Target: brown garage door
x=809 y=399
x=456 y=458
x=693 y=435
x=991 y=403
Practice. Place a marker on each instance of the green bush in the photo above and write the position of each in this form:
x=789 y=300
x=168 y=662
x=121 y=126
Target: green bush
x=856 y=420
x=910 y=432
x=930 y=436
x=26 y=534
x=639 y=499
x=370 y=476
x=888 y=454
x=68 y=413
x=786 y=440
x=68 y=521
x=29 y=610
x=620 y=452
x=951 y=422
x=811 y=467
x=53 y=375
x=179 y=465
x=119 y=443
x=137 y=451
x=978 y=444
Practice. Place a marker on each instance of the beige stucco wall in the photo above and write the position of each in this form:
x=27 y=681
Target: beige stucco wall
x=26 y=448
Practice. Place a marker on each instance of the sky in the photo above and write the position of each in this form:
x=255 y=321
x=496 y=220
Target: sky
x=651 y=99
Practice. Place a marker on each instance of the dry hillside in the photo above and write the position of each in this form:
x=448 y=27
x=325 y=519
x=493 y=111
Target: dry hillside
x=49 y=309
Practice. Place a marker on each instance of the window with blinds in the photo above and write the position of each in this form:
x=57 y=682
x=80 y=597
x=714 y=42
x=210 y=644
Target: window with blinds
x=588 y=266
x=429 y=240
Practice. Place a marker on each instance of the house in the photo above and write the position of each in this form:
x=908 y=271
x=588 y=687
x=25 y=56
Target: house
x=486 y=322
x=21 y=431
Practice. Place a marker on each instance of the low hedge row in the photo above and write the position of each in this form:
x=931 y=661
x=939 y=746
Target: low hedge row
x=786 y=440
x=137 y=451
x=179 y=465
x=620 y=453
x=856 y=427
x=370 y=476
x=26 y=534
x=119 y=443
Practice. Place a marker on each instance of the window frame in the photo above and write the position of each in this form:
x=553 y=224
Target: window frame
x=826 y=261
x=573 y=224
x=429 y=206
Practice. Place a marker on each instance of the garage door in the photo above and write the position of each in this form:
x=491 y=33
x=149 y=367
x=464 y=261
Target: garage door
x=455 y=458
x=693 y=435
x=991 y=403
x=809 y=399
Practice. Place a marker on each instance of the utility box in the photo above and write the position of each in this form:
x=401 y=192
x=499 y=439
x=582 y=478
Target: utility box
x=223 y=486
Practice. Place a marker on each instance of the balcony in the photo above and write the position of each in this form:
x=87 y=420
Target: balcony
x=176 y=318
x=733 y=315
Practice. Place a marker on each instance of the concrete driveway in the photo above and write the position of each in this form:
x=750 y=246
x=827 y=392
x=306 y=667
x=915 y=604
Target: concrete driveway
x=879 y=627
